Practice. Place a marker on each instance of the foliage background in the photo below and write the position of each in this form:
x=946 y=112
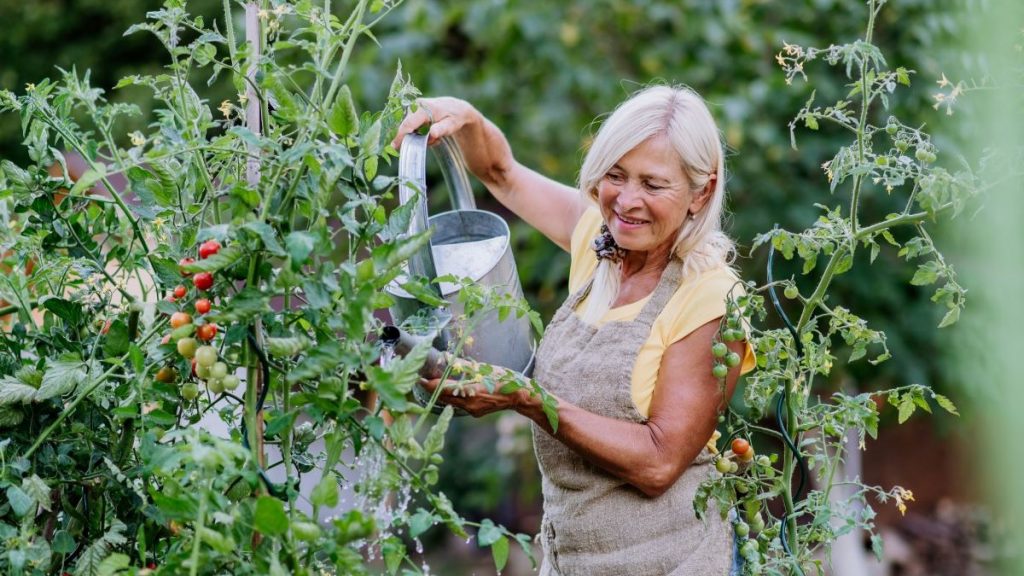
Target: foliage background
x=543 y=71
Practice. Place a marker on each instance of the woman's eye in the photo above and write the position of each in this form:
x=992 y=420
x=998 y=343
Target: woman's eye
x=653 y=187
x=613 y=177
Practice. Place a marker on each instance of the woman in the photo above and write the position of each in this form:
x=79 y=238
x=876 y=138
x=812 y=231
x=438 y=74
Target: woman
x=628 y=355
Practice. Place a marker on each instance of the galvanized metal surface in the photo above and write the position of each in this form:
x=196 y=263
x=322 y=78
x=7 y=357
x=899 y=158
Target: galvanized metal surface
x=466 y=243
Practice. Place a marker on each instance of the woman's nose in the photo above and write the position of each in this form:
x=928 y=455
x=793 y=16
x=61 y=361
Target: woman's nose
x=630 y=195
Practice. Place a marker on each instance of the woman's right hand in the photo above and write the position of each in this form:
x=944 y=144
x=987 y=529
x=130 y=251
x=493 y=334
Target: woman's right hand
x=444 y=116
x=550 y=207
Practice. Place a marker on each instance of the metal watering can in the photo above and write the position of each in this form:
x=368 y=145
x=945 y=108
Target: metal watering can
x=466 y=243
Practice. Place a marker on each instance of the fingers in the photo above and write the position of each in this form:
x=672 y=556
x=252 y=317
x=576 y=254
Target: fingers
x=445 y=116
x=410 y=124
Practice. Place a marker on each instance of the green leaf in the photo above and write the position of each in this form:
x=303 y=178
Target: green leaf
x=343 y=119
x=370 y=140
x=394 y=381
x=394 y=552
x=69 y=312
x=13 y=391
x=488 y=533
x=86 y=181
x=63 y=542
x=876 y=546
x=420 y=522
x=321 y=359
x=951 y=317
x=945 y=403
x=811 y=122
x=326 y=492
x=38 y=490
x=926 y=274
x=424 y=293
x=112 y=565
x=266 y=235
x=435 y=438
x=21 y=503
x=270 y=517
x=115 y=343
x=61 y=377
x=242 y=307
x=499 y=550
x=222 y=259
x=906 y=407
x=300 y=245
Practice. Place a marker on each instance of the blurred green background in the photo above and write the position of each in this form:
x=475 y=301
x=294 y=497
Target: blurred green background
x=544 y=71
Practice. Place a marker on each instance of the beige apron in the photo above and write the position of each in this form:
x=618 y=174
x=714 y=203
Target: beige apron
x=594 y=523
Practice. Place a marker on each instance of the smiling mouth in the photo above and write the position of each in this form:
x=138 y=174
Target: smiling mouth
x=630 y=220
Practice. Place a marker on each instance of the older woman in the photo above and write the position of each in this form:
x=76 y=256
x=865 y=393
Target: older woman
x=628 y=355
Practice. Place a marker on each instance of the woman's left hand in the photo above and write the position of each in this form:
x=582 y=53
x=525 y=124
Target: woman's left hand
x=473 y=397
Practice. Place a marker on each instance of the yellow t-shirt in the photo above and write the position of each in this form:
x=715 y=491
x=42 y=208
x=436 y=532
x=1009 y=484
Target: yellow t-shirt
x=696 y=302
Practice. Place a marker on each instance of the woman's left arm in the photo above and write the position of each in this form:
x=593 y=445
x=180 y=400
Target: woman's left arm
x=653 y=455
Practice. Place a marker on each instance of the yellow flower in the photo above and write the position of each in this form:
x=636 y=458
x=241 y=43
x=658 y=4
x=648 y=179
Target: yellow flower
x=943 y=82
x=902 y=496
x=263 y=14
x=30 y=87
x=243 y=98
x=159 y=222
x=225 y=108
x=137 y=138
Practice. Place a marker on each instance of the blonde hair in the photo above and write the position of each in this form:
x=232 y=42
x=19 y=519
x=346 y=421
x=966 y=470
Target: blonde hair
x=680 y=115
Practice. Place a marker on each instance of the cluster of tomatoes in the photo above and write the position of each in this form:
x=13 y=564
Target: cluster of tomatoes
x=739 y=459
x=193 y=338
x=725 y=358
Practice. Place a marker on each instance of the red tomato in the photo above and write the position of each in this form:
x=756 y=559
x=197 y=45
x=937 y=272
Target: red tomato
x=206 y=332
x=182 y=263
x=202 y=306
x=203 y=280
x=740 y=446
x=179 y=319
x=180 y=291
x=208 y=248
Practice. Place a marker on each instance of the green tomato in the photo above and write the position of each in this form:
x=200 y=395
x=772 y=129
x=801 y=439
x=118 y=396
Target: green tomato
x=202 y=372
x=206 y=356
x=791 y=292
x=742 y=488
x=218 y=370
x=742 y=529
x=305 y=531
x=187 y=347
x=733 y=359
x=215 y=385
x=902 y=145
x=892 y=128
x=749 y=550
x=719 y=349
x=230 y=382
x=764 y=461
x=720 y=371
x=881 y=161
x=723 y=465
x=190 y=391
x=757 y=522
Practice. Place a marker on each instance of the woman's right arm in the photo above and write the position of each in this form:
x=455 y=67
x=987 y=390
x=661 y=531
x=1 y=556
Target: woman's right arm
x=549 y=206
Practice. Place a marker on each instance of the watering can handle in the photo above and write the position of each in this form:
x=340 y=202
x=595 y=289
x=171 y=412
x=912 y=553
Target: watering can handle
x=412 y=179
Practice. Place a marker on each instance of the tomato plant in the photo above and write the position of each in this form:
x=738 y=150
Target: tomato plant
x=792 y=359
x=270 y=202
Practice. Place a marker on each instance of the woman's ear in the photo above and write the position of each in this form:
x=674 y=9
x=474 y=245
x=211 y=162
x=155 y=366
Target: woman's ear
x=700 y=199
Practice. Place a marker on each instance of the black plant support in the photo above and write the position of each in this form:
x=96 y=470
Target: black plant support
x=784 y=400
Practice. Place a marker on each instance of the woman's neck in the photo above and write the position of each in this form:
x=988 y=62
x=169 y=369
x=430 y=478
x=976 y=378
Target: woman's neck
x=652 y=262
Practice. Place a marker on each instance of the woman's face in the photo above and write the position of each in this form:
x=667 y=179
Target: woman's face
x=645 y=197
